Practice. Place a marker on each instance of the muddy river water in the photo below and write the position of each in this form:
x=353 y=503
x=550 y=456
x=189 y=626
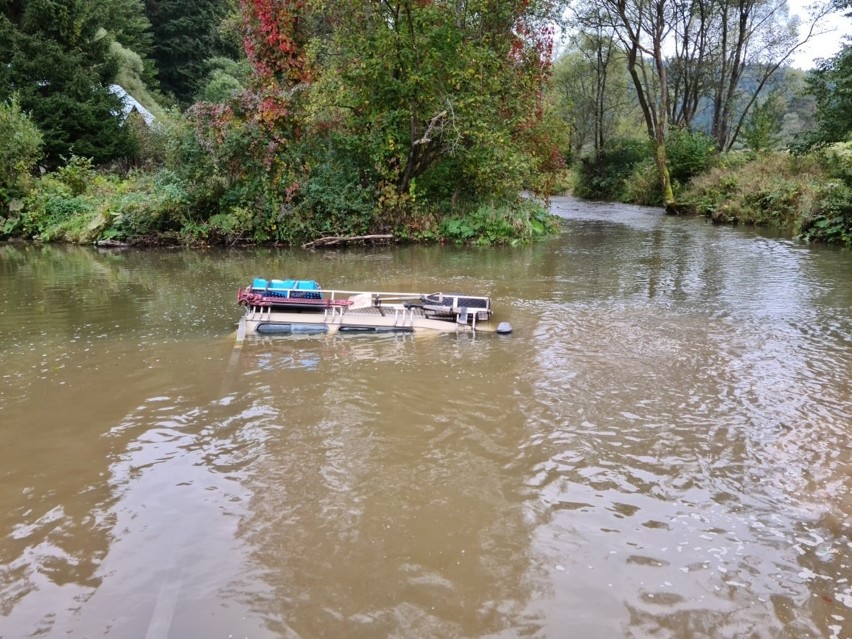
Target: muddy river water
x=662 y=448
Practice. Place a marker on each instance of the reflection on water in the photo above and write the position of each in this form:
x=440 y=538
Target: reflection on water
x=660 y=449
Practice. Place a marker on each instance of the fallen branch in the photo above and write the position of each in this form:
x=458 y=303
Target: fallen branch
x=336 y=240
x=111 y=244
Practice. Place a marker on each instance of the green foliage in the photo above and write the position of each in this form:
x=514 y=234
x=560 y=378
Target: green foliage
x=56 y=56
x=51 y=209
x=762 y=131
x=20 y=148
x=431 y=86
x=603 y=176
x=220 y=87
x=809 y=196
x=144 y=206
x=128 y=26
x=520 y=222
x=76 y=174
x=590 y=92
x=690 y=153
x=225 y=80
x=831 y=222
x=831 y=85
x=398 y=118
x=333 y=201
x=626 y=170
x=186 y=35
x=642 y=186
x=76 y=204
x=837 y=159
x=132 y=70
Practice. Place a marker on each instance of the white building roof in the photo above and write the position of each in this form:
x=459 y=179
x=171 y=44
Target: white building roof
x=129 y=104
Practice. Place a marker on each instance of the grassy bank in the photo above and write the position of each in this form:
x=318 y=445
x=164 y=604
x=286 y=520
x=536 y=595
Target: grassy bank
x=808 y=196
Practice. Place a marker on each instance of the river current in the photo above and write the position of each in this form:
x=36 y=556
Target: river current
x=662 y=448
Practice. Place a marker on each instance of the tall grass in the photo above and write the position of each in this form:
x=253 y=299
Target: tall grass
x=807 y=196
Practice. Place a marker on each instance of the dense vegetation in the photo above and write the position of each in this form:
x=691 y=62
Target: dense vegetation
x=730 y=130
x=425 y=120
x=283 y=121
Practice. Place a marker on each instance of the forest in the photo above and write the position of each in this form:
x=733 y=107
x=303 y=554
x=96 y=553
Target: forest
x=283 y=121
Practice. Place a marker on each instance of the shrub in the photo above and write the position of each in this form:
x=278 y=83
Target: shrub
x=838 y=161
x=332 y=200
x=507 y=223
x=603 y=176
x=21 y=146
x=76 y=174
x=643 y=184
x=51 y=208
x=689 y=153
x=794 y=193
x=831 y=220
x=153 y=203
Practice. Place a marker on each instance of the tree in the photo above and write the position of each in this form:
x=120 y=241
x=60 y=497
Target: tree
x=727 y=52
x=20 y=147
x=226 y=79
x=642 y=27
x=763 y=127
x=186 y=35
x=443 y=98
x=754 y=39
x=56 y=58
x=592 y=90
x=831 y=85
x=130 y=28
x=680 y=55
x=364 y=115
x=689 y=72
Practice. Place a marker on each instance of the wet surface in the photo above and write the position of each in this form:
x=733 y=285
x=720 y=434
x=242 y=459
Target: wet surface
x=662 y=447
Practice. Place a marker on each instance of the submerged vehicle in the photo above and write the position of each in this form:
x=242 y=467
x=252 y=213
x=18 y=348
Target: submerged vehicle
x=284 y=307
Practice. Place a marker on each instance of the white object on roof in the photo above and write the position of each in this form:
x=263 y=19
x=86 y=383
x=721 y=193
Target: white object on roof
x=129 y=104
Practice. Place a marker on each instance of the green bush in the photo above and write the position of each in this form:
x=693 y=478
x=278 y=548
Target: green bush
x=514 y=223
x=689 y=153
x=831 y=222
x=837 y=159
x=77 y=173
x=626 y=170
x=332 y=200
x=603 y=176
x=153 y=203
x=831 y=218
x=643 y=184
x=52 y=210
x=21 y=146
x=221 y=180
x=794 y=193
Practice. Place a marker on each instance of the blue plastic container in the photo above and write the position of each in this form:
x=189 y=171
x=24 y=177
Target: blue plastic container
x=287 y=288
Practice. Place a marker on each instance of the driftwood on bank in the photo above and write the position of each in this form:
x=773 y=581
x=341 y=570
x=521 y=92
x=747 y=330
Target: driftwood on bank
x=337 y=240
x=111 y=244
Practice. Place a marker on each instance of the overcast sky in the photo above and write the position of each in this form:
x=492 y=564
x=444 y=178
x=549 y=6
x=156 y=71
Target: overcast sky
x=822 y=46
x=837 y=27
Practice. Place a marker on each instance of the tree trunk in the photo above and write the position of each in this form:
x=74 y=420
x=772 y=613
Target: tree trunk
x=665 y=178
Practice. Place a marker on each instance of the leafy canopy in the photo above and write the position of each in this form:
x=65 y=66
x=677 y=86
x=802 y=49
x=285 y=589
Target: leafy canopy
x=57 y=58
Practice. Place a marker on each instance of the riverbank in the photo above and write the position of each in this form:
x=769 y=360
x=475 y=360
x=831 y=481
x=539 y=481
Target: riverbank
x=78 y=204
x=807 y=196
